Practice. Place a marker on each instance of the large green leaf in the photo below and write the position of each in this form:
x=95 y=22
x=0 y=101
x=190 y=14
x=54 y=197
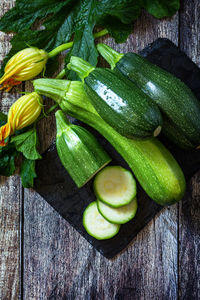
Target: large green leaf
x=27 y=173
x=27 y=143
x=162 y=8
x=25 y=13
x=7 y=160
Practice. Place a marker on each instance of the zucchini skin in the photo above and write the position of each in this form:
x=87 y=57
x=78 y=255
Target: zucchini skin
x=172 y=96
x=122 y=105
x=79 y=152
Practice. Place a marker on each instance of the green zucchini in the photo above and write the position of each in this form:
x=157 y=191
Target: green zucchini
x=115 y=186
x=175 y=100
x=122 y=105
x=80 y=153
x=153 y=165
x=175 y=135
x=96 y=225
x=120 y=215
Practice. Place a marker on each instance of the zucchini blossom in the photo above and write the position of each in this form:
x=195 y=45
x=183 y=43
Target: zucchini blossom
x=24 y=65
x=22 y=113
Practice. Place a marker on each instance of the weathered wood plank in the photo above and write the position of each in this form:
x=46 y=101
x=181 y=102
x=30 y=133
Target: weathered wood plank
x=189 y=227
x=10 y=199
x=60 y=264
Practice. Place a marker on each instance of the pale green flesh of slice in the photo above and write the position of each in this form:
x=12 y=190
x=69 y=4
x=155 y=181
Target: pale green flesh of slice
x=96 y=225
x=120 y=215
x=115 y=186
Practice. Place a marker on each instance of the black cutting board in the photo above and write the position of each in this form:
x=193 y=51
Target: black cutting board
x=57 y=188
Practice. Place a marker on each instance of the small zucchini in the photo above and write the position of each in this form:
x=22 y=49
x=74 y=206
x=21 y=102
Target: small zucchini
x=115 y=186
x=120 y=215
x=175 y=100
x=96 y=225
x=121 y=104
x=80 y=153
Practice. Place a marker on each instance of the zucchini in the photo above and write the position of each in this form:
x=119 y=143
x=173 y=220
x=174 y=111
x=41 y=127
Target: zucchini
x=175 y=100
x=80 y=153
x=175 y=135
x=120 y=215
x=96 y=225
x=153 y=165
x=122 y=105
x=115 y=186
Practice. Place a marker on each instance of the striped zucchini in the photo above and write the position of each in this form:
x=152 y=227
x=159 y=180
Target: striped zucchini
x=176 y=101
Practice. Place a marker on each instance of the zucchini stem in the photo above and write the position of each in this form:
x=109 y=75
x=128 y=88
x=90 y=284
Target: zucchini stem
x=109 y=54
x=61 y=121
x=80 y=66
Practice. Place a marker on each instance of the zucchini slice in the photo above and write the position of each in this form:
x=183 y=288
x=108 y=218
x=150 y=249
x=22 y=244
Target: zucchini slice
x=120 y=215
x=96 y=225
x=115 y=186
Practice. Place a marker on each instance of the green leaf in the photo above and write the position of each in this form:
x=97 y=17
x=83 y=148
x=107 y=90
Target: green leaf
x=3 y=119
x=125 y=10
x=84 y=46
x=27 y=144
x=57 y=29
x=25 y=13
x=27 y=173
x=162 y=8
x=118 y=30
x=7 y=160
x=61 y=19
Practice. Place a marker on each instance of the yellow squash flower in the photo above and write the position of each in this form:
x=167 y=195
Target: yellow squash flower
x=4 y=134
x=22 y=113
x=24 y=65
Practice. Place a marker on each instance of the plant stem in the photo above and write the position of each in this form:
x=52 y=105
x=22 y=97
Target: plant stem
x=100 y=33
x=52 y=108
x=61 y=74
x=66 y=46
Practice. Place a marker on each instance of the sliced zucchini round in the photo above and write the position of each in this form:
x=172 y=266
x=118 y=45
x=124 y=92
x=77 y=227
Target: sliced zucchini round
x=115 y=186
x=120 y=215
x=96 y=225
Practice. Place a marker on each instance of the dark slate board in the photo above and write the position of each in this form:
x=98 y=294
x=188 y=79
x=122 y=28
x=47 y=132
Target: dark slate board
x=57 y=188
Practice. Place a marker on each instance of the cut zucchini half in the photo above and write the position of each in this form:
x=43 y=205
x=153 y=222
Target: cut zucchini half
x=96 y=225
x=120 y=215
x=115 y=186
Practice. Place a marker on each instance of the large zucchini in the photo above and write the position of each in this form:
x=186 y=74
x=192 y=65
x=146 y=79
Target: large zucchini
x=155 y=168
x=177 y=102
x=121 y=104
x=80 y=153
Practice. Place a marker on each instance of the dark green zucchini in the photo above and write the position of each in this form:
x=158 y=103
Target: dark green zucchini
x=173 y=97
x=79 y=152
x=120 y=103
x=174 y=134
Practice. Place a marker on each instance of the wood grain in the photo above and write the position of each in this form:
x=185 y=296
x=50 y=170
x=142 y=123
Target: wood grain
x=10 y=204
x=60 y=264
x=189 y=215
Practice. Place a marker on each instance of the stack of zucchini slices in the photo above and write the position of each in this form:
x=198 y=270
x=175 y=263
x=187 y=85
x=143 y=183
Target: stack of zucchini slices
x=116 y=204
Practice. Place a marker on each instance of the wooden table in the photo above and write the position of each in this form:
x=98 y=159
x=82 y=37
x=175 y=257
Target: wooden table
x=43 y=257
